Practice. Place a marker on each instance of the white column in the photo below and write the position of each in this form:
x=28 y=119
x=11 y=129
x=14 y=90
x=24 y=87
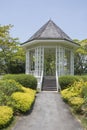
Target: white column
x=27 y=61
x=61 y=60
x=57 y=61
x=36 y=61
x=72 y=63
x=40 y=60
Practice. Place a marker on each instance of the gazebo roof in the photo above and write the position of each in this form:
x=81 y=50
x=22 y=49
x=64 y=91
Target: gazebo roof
x=49 y=31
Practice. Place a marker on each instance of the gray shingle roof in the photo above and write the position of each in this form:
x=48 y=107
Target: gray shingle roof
x=50 y=31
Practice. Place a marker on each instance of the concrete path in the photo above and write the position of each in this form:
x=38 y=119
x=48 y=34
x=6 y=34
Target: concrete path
x=49 y=113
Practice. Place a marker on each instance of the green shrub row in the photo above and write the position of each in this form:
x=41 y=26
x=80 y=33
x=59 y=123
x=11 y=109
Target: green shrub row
x=14 y=98
x=66 y=81
x=76 y=95
x=25 y=80
x=9 y=86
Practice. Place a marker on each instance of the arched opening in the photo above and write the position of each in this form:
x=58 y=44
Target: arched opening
x=49 y=61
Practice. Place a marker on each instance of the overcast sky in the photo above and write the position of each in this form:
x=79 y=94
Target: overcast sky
x=28 y=16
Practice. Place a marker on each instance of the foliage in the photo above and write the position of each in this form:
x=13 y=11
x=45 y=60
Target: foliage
x=74 y=90
x=74 y=95
x=17 y=61
x=84 y=91
x=76 y=103
x=83 y=77
x=9 y=86
x=49 y=62
x=66 y=81
x=6 y=114
x=26 y=80
x=12 y=57
x=3 y=98
x=14 y=98
x=23 y=101
x=81 y=57
x=28 y=90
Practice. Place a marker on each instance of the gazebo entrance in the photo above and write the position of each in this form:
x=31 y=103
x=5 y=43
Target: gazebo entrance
x=49 y=61
x=49 y=53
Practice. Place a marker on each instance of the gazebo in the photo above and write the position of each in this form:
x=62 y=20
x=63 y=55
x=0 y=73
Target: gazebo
x=49 y=53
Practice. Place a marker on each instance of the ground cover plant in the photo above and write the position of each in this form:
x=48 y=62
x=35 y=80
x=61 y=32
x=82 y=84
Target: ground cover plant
x=6 y=115
x=76 y=97
x=28 y=81
x=68 y=80
x=15 y=99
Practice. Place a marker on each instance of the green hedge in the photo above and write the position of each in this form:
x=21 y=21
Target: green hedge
x=3 y=98
x=84 y=77
x=25 y=80
x=66 y=81
x=76 y=96
x=9 y=86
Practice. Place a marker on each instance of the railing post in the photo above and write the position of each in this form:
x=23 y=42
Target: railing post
x=39 y=87
x=57 y=82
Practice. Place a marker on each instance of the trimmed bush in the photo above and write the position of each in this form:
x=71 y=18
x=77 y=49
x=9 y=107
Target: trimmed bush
x=3 y=98
x=84 y=91
x=6 y=114
x=84 y=77
x=76 y=103
x=67 y=94
x=76 y=95
x=66 y=81
x=30 y=91
x=9 y=86
x=25 y=80
x=23 y=101
x=74 y=90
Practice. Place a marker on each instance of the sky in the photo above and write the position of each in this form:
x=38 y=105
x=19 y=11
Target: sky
x=28 y=16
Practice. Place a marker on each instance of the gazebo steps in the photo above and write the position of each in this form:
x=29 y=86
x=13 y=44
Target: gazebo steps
x=49 y=83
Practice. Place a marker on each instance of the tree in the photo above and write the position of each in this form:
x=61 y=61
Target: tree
x=81 y=57
x=12 y=57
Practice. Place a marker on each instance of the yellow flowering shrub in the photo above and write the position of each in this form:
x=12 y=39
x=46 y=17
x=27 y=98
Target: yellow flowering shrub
x=23 y=101
x=67 y=94
x=6 y=114
x=77 y=86
x=74 y=90
x=30 y=91
x=74 y=95
x=76 y=103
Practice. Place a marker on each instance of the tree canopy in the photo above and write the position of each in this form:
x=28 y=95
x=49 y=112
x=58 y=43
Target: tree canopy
x=81 y=57
x=12 y=56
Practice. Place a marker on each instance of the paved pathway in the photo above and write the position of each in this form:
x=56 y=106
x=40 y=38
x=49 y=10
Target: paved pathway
x=49 y=113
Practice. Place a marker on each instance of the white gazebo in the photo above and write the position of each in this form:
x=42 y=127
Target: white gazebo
x=49 y=52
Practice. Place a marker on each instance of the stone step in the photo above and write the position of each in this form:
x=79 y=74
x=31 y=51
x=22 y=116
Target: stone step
x=49 y=83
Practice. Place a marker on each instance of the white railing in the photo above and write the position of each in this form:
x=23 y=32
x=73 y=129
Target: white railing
x=40 y=81
x=57 y=82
